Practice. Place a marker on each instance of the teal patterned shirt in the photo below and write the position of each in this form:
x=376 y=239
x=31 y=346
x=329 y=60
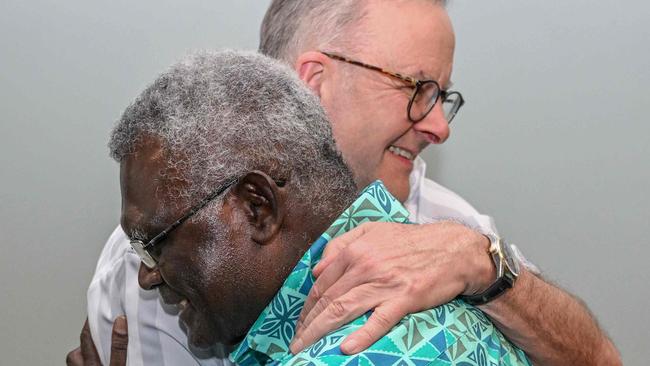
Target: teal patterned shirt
x=451 y=334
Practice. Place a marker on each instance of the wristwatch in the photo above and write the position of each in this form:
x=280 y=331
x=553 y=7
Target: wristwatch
x=507 y=267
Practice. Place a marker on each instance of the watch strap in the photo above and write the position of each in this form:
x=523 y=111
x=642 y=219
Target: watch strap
x=505 y=277
x=495 y=290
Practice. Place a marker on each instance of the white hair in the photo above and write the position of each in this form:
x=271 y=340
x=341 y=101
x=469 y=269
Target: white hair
x=222 y=114
x=291 y=27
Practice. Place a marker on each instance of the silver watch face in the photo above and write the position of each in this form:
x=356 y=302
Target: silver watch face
x=510 y=258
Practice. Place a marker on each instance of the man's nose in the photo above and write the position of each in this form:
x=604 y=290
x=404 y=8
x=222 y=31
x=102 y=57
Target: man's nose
x=149 y=278
x=434 y=126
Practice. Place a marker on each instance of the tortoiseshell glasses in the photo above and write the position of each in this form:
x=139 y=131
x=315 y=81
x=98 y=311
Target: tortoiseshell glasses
x=425 y=92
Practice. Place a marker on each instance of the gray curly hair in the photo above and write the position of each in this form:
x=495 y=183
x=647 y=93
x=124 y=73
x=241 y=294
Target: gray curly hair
x=291 y=27
x=222 y=114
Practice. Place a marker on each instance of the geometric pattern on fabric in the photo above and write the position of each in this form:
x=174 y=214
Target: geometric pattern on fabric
x=451 y=334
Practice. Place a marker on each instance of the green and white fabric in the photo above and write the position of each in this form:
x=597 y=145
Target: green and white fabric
x=452 y=334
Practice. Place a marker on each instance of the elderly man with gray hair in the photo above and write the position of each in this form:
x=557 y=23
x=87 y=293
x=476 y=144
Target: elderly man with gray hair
x=382 y=71
x=228 y=171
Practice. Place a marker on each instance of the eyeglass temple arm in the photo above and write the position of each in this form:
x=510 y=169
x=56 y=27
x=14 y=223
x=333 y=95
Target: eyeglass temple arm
x=160 y=237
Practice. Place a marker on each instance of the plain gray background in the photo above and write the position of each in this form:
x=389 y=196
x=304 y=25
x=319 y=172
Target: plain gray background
x=553 y=143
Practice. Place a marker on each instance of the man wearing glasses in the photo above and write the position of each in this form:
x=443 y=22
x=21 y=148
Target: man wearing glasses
x=382 y=70
x=224 y=186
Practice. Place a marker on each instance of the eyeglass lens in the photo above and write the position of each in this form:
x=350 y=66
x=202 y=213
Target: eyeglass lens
x=145 y=256
x=425 y=98
x=451 y=105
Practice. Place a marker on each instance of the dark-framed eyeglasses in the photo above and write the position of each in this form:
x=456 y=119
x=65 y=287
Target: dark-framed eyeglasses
x=425 y=92
x=144 y=250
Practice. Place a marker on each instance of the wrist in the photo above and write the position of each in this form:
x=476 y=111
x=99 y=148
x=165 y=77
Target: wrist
x=484 y=272
x=507 y=269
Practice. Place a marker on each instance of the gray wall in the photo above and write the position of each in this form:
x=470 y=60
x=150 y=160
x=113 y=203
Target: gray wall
x=552 y=143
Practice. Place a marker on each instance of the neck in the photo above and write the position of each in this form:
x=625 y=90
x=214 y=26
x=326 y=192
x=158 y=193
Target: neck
x=299 y=232
x=274 y=261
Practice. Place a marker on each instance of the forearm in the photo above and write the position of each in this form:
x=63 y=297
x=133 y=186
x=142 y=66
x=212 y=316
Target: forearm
x=551 y=326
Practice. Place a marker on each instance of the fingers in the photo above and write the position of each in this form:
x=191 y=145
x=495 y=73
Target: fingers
x=379 y=323
x=321 y=286
x=335 y=280
x=329 y=270
x=119 y=342
x=330 y=315
x=89 y=355
x=335 y=246
x=86 y=354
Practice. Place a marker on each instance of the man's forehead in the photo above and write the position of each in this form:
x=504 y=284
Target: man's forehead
x=140 y=219
x=411 y=37
x=145 y=190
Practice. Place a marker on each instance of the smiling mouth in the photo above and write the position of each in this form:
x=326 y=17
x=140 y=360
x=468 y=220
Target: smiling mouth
x=401 y=152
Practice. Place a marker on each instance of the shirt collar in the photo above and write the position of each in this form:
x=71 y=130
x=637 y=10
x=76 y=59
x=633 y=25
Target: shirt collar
x=271 y=334
x=415 y=183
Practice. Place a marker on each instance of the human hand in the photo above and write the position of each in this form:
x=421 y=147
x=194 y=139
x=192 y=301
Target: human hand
x=393 y=269
x=86 y=354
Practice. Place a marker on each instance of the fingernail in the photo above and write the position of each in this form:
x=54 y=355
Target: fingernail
x=120 y=325
x=349 y=347
x=295 y=346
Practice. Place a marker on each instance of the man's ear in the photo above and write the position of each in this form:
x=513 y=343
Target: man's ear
x=311 y=67
x=263 y=202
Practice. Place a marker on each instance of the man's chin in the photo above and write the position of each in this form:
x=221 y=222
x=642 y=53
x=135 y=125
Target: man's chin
x=203 y=339
x=199 y=334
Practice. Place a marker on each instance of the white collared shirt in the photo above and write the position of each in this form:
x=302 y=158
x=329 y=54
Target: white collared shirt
x=429 y=202
x=155 y=334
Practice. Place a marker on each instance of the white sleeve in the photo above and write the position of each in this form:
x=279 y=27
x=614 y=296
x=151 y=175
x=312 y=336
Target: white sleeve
x=431 y=202
x=155 y=334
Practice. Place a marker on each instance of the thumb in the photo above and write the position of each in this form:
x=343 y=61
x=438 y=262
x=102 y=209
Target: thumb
x=119 y=341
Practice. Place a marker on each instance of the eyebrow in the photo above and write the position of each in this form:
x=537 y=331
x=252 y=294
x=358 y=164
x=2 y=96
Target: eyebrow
x=449 y=85
x=422 y=76
x=136 y=233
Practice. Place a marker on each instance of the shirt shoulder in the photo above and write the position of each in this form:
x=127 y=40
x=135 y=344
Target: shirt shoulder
x=430 y=201
x=453 y=333
x=106 y=292
x=116 y=247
